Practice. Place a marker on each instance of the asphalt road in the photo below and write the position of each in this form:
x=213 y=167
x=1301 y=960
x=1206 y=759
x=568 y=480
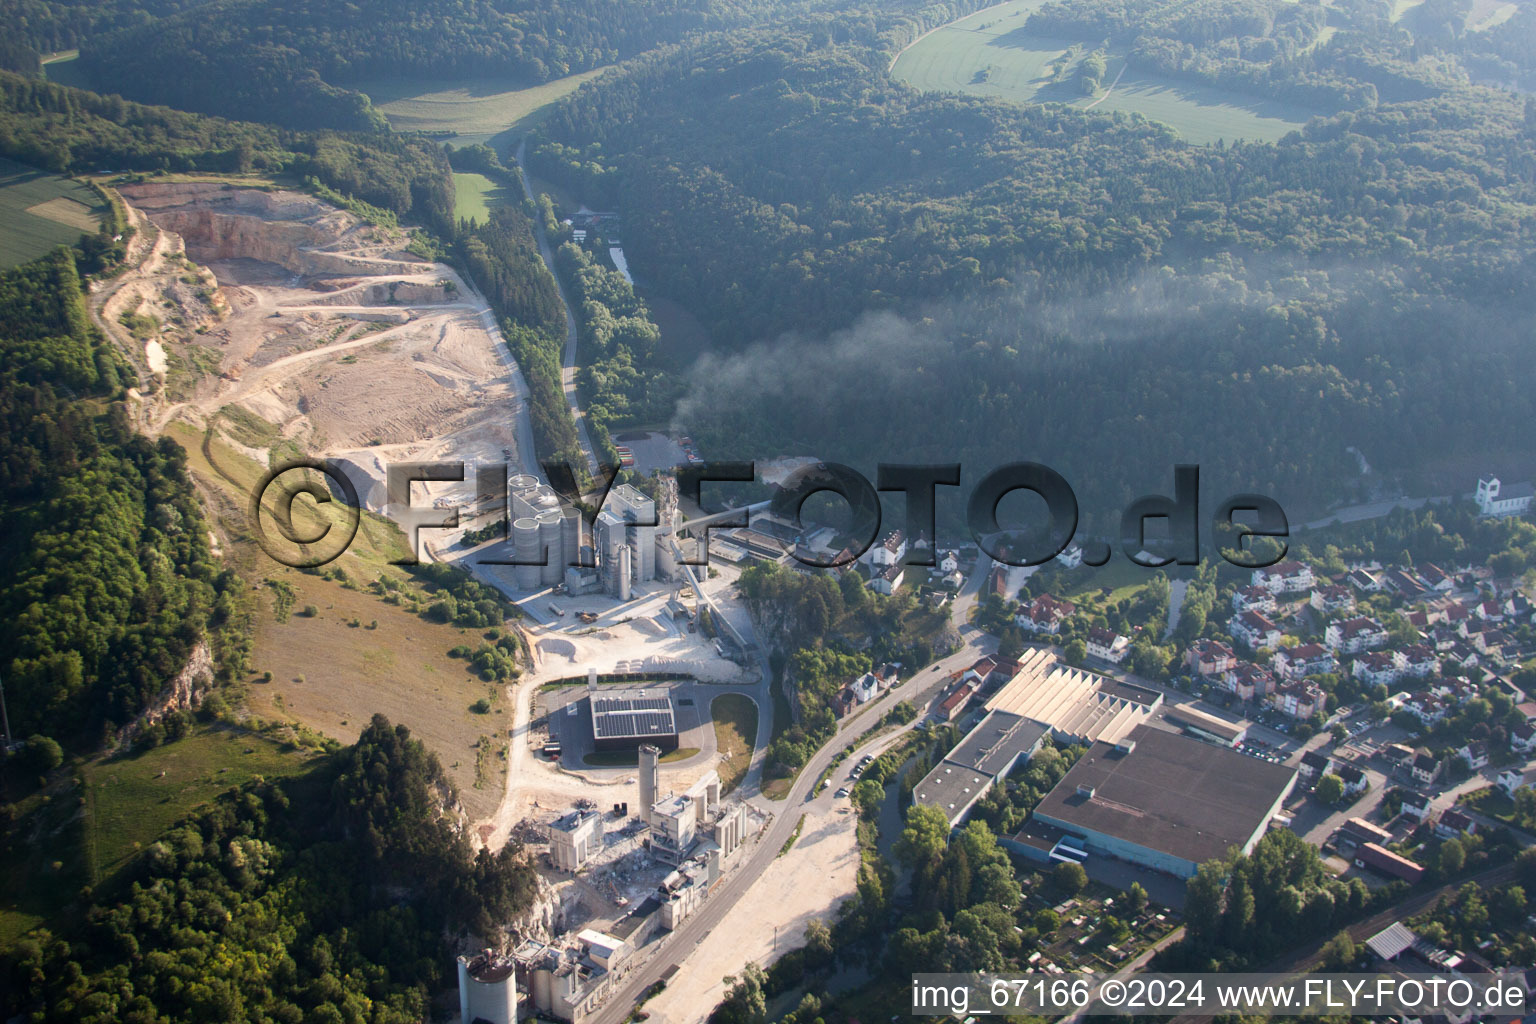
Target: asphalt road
x=697 y=928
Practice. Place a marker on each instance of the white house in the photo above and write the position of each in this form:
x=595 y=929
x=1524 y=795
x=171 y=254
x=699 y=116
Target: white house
x=1383 y=667
x=1292 y=663
x=891 y=549
x=1494 y=499
x=1335 y=597
x=1514 y=779
x=865 y=688
x=1299 y=700
x=1522 y=739
x=1108 y=645
x=1417 y=805
x=1253 y=599
x=1254 y=630
x=1045 y=614
x=1475 y=754
x=887 y=579
x=1364 y=580
x=1288 y=577
x=1072 y=556
x=1351 y=636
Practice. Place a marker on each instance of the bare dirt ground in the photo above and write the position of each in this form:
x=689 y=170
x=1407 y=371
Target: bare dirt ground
x=820 y=871
x=292 y=321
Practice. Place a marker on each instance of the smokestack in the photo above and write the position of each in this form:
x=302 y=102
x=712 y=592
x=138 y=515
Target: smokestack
x=650 y=778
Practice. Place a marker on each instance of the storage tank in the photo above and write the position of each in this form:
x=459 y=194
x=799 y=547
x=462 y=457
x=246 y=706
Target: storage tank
x=525 y=549
x=570 y=535
x=550 y=522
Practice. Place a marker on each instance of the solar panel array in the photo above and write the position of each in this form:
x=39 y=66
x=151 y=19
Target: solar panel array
x=618 y=716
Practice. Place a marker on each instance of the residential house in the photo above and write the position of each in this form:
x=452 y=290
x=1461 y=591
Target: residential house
x=1299 y=700
x=1454 y=823
x=1314 y=765
x=1254 y=630
x=1292 y=663
x=1512 y=780
x=1437 y=579
x=1045 y=614
x=1426 y=769
x=1379 y=667
x=1364 y=581
x=1522 y=739
x=890 y=550
x=1475 y=754
x=843 y=702
x=979 y=671
x=1209 y=657
x=1351 y=636
x=1419 y=662
x=1335 y=597
x=1417 y=804
x=1249 y=681
x=1288 y=577
x=1072 y=556
x=1404 y=583
x=865 y=688
x=1253 y=599
x=887 y=579
x=1108 y=645
x=1354 y=780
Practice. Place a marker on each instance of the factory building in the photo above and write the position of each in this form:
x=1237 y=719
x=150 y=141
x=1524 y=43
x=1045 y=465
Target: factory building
x=568 y=983
x=1077 y=706
x=686 y=824
x=988 y=753
x=574 y=838
x=1166 y=801
x=624 y=718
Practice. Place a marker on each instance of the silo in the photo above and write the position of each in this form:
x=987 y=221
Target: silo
x=549 y=537
x=525 y=550
x=570 y=535
x=521 y=482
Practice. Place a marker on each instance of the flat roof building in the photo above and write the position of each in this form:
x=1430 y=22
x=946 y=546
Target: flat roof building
x=625 y=717
x=1165 y=801
x=1206 y=726
x=987 y=753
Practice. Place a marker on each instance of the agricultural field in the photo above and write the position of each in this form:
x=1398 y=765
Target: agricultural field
x=469 y=111
x=475 y=195
x=64 y=68
x=991 y=54
x=39 y=211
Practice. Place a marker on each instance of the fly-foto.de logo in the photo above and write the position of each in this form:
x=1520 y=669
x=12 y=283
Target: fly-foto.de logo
x=1174 y=539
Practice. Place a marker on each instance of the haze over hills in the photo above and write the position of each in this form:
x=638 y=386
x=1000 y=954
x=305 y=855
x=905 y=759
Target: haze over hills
x=422 y=777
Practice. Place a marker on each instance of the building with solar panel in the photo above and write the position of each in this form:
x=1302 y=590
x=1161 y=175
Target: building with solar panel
x=625 y=717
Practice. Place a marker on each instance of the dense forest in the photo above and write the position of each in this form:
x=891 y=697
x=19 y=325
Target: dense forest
x=336 y=896
x=111 y=582
x=70 y=130
x=890 y=275
x=298 y=64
